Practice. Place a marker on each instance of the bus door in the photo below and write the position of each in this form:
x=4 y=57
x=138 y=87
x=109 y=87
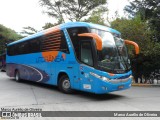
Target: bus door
x=86 y=66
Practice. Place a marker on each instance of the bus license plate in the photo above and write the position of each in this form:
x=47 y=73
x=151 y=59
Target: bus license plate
x=120 y=87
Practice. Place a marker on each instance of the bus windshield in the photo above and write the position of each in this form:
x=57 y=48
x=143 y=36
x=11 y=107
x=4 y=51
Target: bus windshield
x=113 y=57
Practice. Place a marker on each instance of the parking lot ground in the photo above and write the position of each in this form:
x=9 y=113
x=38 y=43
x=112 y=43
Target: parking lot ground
x=48 y=98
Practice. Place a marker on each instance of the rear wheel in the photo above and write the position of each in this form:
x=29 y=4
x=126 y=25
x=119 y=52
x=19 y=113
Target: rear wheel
x=17 y=76
x=64 y=84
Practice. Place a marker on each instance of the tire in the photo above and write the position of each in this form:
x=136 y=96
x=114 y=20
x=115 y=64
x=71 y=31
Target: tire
x=17 y=76
x=64 y=84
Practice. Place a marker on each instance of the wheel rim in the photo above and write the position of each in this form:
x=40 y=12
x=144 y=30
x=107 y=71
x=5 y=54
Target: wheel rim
x=66 y=84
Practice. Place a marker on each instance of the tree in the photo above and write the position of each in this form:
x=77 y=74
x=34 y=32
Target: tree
x=149 y=11
x=48 y=25
x=7 y=35
x=97 y=16
x=73 y=10
x=137 y=30
x=29 y=30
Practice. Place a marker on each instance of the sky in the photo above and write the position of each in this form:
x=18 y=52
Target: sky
x=16 y=14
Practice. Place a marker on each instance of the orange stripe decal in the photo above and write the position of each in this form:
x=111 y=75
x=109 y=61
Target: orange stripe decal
x=52 y=30
x=51 y=36
x=49 y=56
x=94 y=36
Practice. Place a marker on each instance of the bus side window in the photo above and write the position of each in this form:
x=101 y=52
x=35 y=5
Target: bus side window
x=24 y=47
x=86 y=53
x=16 y=49
x=35 y=46
x=64 y=45
x=10 y=50
x=73 y=33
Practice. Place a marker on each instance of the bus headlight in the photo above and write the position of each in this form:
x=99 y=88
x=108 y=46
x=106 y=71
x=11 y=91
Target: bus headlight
x=99 y=77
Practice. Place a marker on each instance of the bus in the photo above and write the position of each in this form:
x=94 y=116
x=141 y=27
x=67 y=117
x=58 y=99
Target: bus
x=3 y=62
x=73 y=56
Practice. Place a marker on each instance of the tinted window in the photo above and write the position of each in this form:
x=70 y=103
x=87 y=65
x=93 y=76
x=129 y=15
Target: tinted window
x=52 y=42
x=29 y=46
x=23 y=48
x=35 y=45
x=86 y=53
x=73 y=33
x=55 y=41
x=10 y=50
x=64 y=46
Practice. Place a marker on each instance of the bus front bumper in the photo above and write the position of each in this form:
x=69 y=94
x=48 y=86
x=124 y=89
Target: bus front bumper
x=103 y=87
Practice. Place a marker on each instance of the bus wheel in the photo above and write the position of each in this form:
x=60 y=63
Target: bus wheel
x=65 y=85
x=17 y=76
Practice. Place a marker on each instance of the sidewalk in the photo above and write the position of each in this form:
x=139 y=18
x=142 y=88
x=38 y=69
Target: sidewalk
x=156 y=83
x=145 y=85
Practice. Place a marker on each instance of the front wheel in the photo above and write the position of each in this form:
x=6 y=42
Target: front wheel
x=17 y=76
x=65 y=85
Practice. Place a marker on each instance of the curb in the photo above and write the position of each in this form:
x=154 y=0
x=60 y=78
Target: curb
x=145 y=85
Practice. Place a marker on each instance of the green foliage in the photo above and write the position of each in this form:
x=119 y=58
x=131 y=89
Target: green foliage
x=137 y=30
x=48 y=25
x=7 y=35
x=29 y=30
x=146 y=8
x=74 y=10
x=97 y=16
x=153 y=57
x=149 y=11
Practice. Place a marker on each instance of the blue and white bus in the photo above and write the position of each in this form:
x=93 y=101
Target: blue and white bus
x=75 y=55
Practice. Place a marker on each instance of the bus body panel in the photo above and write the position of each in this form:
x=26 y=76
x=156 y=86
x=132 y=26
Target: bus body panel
x=91 y=84
x=34 y=66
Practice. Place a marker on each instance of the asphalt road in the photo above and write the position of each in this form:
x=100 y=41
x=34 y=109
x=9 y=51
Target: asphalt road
x=48 y=98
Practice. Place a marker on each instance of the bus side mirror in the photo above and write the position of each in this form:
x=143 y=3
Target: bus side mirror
x=136 y=47
x=96 y=37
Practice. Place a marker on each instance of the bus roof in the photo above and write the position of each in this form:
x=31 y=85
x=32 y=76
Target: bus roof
x=68 y=25
x=91 y=25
